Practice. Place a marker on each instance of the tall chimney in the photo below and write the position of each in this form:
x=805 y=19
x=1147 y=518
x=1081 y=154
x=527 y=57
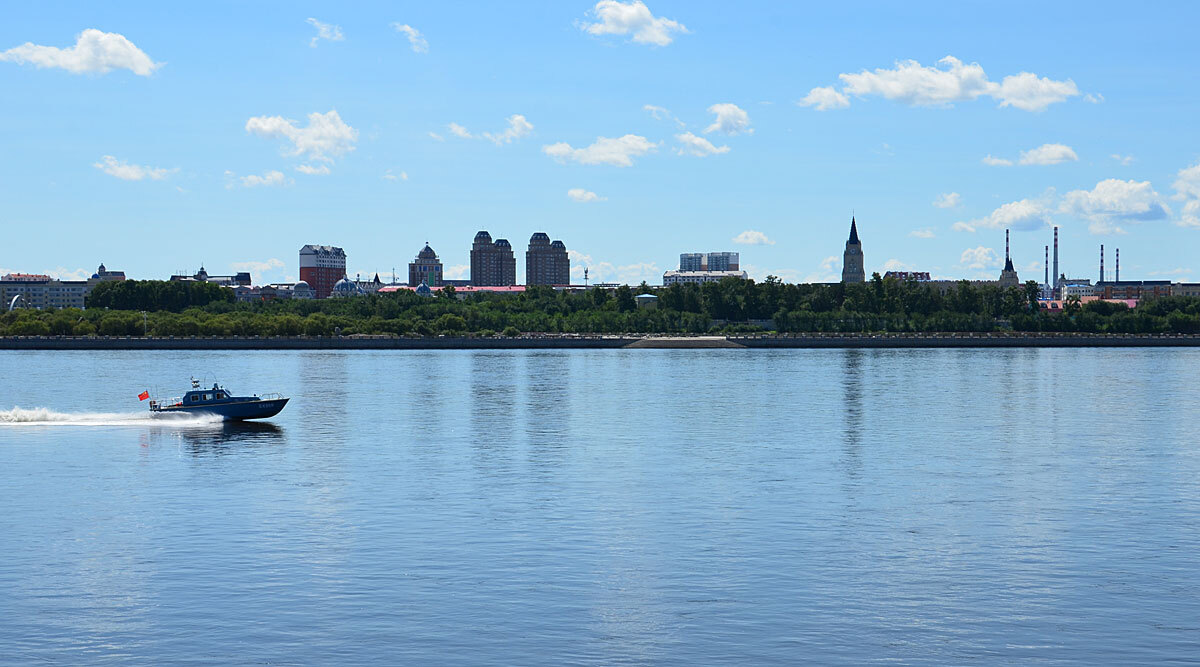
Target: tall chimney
x=1006 y=257
x=1118 y=265
x=1101 y=262
x=1056 y=273
x=1046 y=266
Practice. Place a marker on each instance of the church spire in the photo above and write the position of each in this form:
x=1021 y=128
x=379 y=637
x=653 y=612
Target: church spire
x=853 y=231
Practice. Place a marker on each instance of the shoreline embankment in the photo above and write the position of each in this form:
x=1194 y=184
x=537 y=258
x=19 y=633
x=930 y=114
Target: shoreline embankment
x=630 y=341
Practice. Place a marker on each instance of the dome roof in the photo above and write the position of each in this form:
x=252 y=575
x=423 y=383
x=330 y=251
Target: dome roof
x=423 y=290
x=345 y=286
x=301 y=284
x=427 y=253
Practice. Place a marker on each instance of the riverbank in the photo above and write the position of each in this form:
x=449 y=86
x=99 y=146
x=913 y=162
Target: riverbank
x=632 y=341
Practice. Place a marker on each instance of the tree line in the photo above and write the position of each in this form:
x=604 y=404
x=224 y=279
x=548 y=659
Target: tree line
x=159 y=308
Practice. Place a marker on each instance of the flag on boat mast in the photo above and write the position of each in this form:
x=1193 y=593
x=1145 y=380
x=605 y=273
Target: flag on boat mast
x=143 y=396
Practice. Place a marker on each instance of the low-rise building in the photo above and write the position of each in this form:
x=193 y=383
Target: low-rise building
x=1185 y=289
x=32 y=290
x=919 y=276
x=698 y=277
x=239 y=279
x=1133 y=289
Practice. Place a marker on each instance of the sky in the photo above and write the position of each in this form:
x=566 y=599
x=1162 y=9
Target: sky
x=156 y=137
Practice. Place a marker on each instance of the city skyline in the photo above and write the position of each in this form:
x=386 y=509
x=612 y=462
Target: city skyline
x=192 y=138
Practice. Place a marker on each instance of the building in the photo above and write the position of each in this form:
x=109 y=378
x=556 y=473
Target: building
x=902 y=276
x=1008 y=276
x=426 y=268
x=698 y=277
x=322 y=266
x=546 y=262
x=1132 y=289
x=1185 y=289
x=709 y=261
x=492 y=263
x=32 y=290
x=345 y=287
x=240 y=279
x=368 y=286
x=647 y=301
x=852 y=258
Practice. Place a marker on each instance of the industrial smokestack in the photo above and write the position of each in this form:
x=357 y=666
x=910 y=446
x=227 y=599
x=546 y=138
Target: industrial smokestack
x=1118 y=265
x=1046 y=266
x=1056 y=273
x=1006 y=256
x=1101 y=262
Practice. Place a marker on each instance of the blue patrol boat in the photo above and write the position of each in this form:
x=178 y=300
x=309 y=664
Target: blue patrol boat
x=218 y=401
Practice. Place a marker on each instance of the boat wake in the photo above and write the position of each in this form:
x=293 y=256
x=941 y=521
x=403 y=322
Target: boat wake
x=48 y=417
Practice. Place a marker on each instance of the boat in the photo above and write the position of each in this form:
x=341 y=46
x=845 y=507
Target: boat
x=218 y=401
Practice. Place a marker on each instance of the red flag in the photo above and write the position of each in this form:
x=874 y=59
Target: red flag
x=143 y=396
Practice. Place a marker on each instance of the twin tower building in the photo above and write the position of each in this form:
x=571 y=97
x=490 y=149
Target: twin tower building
x=493 y=263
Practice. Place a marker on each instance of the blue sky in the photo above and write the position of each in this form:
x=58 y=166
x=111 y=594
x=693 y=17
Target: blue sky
x=155 y=137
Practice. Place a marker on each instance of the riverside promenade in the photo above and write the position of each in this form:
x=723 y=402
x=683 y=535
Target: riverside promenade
x=572 y=341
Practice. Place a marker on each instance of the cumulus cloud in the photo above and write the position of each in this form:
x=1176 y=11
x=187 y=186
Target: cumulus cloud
x=459 y=131
x=131 y=172
x=325 y=137
x=584 y=196
x=827 y=271
x=607 y=272
x=632 y=18
x=825 y=98
x=517 y=127
x=1023 y=215
x=1048 y=154
x=618 y=152
x=1124 y=160
x=926 y=233
x=258 y=267
x=415 y=39
x=456 y=271
x=94 y=51
x=979 y=258
x=1114 y=201
x=691 y=144
x=912 y=83
x=996 y=161
x=389 y=176
x=751 y=237
x=268 y=179
x=319 y=170
x=326 y=31
x=1187 y=190
x=948 y=200
x=731 y=119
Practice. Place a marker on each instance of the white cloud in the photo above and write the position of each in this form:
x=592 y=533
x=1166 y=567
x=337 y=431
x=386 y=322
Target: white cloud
x=1023 y=215
x=131 y=172
x=624 y=18
x=94 y=51
x=660 y=113
x=1113 y=201
x=952 y=81
x=979 y=258
x=319 y=170
x=459 y=131
x=607 y=272
x=827 y=272
x=325 y=137
x=1047 y=154
x=1093 y=98
x=517 y=127
x=697 y=146
x=1125 y=160
x=731 y=119
x=584 y=196
x=435 y=136
x=1178 y=271
x=618 y=152
x=415 y=39
x=457 y=272
x=268 y=179
x=332 y=33
x=947 y=200
x=926 y=233
x=1187 y=190
x=825 y=98
x=258 y=268
x=389 y=176
x=751 y=237
x=996 y=161
x=896 y=265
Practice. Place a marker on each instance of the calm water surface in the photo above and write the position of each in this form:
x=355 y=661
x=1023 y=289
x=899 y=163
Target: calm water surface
x=606 y=507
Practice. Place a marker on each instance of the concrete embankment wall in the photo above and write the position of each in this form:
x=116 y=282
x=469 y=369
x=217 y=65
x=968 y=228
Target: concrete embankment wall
x=309 y=343
x=596 y=342
x=965 y=340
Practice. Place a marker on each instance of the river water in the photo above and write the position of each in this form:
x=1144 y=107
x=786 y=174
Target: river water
x=605 y=507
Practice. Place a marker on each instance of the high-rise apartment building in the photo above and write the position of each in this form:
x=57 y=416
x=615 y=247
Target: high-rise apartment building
x=691 y=261
x=546 y=262
x=709 y=261
x=492 y=263
x=321 y=266
x=426 y=268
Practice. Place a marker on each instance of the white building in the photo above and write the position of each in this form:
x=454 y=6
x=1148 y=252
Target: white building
x=41 y=291
x=685 y=277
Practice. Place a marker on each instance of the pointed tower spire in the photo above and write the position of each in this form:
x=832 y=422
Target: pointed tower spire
x=852 y=258
x=853 y=231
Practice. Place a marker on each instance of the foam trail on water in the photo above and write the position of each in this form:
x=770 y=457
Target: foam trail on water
x=48 y=417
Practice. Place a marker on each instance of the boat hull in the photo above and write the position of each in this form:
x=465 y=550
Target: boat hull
x=232 y=411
